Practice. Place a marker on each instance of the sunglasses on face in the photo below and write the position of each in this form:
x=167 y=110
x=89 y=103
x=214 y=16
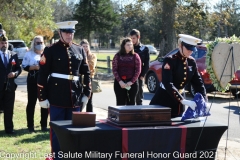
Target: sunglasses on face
x=38 y=43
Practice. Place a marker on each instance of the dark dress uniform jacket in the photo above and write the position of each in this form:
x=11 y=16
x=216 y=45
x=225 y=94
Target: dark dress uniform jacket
x=62 y=59
x=177 y=72
x=143 y=53
x=10 y=68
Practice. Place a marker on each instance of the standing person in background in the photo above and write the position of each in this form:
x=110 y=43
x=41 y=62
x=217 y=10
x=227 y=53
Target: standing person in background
x=126 y=66
x=143 y=53
x=59 y=83
x=31 y=65
x=3 y=32
x=9 y=70
x=92 y=62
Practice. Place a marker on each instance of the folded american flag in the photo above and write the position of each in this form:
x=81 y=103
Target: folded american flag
x=201 y=109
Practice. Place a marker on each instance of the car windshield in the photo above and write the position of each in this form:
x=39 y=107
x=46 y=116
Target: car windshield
x=150 y=47
x=18 y=44
x=198 y=54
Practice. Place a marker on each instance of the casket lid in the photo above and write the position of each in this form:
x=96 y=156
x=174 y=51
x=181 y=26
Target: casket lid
x=139 y=108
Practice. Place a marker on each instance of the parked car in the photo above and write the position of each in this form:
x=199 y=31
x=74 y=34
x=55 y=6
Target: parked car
x=154 y=74
x=20 y=48
x=152 y=49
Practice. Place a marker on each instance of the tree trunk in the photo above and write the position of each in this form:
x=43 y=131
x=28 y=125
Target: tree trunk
x=89 y=23
x=168 y=41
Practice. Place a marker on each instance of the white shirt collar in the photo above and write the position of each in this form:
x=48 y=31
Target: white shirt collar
x=2 y=52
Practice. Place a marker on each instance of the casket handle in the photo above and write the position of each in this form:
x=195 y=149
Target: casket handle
x=113 y=117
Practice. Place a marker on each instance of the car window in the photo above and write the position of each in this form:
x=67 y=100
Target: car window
x=150 y=47
x=18 y=44
x=198 y=54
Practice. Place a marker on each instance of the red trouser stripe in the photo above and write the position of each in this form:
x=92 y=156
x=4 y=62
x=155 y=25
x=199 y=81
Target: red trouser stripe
x=124 y=142
x=124 y=138
x=183 y=138
x=50 y=134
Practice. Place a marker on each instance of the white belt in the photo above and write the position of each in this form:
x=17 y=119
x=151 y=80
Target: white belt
x=64 y=76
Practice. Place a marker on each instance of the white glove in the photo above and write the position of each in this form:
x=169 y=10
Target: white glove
x=191 y=104
x=84 y=101
x=122 y=84
x=44 y=104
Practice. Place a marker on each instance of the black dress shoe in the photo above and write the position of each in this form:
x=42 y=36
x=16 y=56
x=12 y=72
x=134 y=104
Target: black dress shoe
x=31 y=130
x=45 y=129
x=10 y=132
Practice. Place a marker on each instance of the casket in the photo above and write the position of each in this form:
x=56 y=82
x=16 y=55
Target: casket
x=140 y=115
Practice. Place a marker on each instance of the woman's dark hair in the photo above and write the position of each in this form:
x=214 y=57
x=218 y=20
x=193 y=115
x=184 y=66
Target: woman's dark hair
x=122 y=50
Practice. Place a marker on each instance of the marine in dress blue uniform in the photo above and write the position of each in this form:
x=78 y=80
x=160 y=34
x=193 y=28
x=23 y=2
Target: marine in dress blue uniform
x=178 y=70
x=59 y=83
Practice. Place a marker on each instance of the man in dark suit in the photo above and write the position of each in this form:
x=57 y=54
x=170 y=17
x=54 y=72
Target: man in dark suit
x=143 y=53
x=9 y=70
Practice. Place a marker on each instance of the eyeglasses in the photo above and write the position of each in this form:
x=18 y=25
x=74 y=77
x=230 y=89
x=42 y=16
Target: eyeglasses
x=38 y=43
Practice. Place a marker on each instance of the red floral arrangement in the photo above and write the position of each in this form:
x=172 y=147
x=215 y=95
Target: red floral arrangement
x=124 y=77
x=13 y=62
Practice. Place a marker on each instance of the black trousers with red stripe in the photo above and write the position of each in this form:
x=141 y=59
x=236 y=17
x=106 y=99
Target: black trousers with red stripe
x=124 y=96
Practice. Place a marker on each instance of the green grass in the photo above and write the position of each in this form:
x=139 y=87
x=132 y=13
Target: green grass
x=23 y=143
x=103 y=56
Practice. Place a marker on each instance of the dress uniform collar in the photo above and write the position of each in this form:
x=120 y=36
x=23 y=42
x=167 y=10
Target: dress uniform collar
x=64 y=44
x=181 y=56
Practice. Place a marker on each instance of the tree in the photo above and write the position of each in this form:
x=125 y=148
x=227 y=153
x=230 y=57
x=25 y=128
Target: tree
x=168 y=38
x=94 y=15
x=25 y=19
x=63 y=11
x=192 y=18
x=226 y=19
x=154 y=22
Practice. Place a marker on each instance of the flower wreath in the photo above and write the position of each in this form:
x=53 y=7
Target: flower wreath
x=210 y=47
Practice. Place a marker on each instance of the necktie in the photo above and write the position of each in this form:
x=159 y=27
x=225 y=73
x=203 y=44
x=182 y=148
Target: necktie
x=5 y=60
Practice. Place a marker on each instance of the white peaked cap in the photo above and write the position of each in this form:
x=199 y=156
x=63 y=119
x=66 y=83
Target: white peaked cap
x=67 y=24
x=189 y=39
